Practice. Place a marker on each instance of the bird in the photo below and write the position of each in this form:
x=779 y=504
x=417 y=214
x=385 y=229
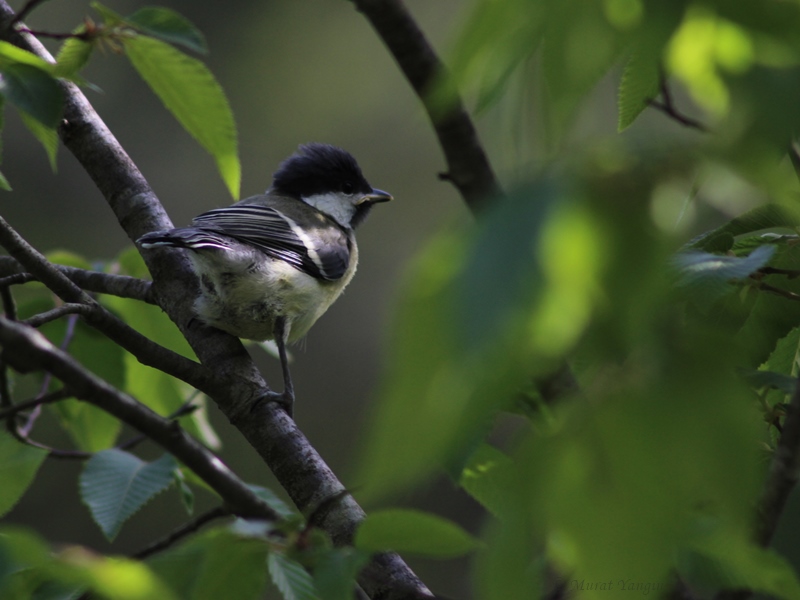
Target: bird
x=270 y=265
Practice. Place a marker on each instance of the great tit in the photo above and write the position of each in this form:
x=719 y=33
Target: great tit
x=271 y=265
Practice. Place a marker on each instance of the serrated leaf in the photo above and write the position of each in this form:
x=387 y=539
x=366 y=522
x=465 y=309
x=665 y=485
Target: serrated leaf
x=47 y=136
x=274 y=502
x=72 y=57
x=414 y=532
x=291 y=579
x=116 y=484
x=335 y=572
x=33 y=91
x=18 y=466
x=169 y=26
x=188 y=89
x=638 y=86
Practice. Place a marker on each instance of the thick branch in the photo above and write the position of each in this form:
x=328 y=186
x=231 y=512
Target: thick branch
x=90 y=281
x=237 y=382
x=468 y=167
x=34 y=351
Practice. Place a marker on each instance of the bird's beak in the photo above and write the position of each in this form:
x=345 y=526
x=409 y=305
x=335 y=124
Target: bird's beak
x=375 y=196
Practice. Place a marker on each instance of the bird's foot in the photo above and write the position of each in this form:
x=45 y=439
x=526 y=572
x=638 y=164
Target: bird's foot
x=283 y=399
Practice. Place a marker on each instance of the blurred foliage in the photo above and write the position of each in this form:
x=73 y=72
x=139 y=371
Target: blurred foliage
x=664 y=273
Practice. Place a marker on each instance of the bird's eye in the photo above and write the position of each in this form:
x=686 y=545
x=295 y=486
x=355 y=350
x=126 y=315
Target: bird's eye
x=348 y=188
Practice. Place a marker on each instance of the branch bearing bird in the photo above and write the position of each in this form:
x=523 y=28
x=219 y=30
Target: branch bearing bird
x=271 y=265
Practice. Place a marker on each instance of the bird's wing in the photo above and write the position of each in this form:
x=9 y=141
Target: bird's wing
x=321 y=250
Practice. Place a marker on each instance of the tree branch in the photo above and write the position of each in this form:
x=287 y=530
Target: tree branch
x=183 y=531
x=90 y=281
x=468 y=167
x=144 y=349
x=237 y=384
x=34 y=350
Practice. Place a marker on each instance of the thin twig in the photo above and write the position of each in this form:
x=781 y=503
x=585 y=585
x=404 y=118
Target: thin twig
x=790 y=273
x=181 y=532
x=29 y=6
x=186 y=409
x=90 y=281
x=776 y=290
x=84 y=35
x=54 y=396
x=667 y=106
x=33 y=349
x=56 y=313
x=794 y=156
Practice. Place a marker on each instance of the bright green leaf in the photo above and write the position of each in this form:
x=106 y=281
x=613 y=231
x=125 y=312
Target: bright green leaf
x=489 y=477
x=73 y=55
x=18 y=466
x=110 y=17
x=169 y=26
x=291 y=579
x=4 y=184
x=414 y=532
x=188 y=89
x=116 y=484
x=33 y=91
x=11 y=54
x=639 y=85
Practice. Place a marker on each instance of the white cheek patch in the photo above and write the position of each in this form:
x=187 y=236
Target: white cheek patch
x=337 y=207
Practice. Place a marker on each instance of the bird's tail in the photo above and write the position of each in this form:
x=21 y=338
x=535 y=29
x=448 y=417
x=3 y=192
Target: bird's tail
x=191 y=237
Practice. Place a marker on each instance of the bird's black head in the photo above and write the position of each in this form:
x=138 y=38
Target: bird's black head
x=320 y=169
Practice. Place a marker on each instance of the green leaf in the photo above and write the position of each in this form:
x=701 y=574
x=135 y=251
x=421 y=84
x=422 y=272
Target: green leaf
x=771 y=380
x=11 y=54
x=187 y=495
x=18 y=466
x=729 y=562
x=188 y=89
x=169 y=26
x=116 y=484
x=110 y=17
x=47 y=136
x=274 y=502
x=215 y=564
x=73 y=55
x=33 y=91
x=488 y=477
x=4 y=184
x=639 y=85
x=766 y=216
x=291 y=579
x=414 y=532
x=336 y=571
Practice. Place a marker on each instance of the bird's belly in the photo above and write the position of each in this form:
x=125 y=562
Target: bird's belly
x=247 y=304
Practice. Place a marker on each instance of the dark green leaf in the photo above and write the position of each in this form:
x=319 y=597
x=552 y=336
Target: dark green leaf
x=47 y=136
x=274 y=502
x=639 y=85
x=336 y=571
x=169 y=26
x=414 y=532
x=18 y=466
x=116 y=484
x=766 y=216
x=33 y=91
x=188 y=89
x=291 y=579
x=769 y=379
